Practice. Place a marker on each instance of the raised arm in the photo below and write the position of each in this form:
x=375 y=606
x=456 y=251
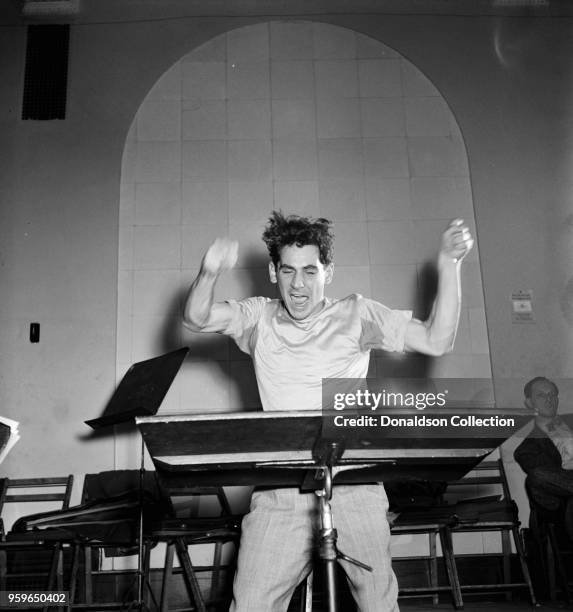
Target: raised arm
x=200 y=312
x=436 y=335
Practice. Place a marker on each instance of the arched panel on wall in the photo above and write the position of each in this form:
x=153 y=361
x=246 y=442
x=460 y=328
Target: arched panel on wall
x=309 y=118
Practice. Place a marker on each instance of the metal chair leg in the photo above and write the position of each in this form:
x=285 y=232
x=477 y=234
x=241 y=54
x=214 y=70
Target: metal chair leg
x=451 y=567
x=523 y=562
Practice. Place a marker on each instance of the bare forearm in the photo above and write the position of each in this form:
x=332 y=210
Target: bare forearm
x=442 y=324
x=199 y=302
x=436 y=335
x=200 y=313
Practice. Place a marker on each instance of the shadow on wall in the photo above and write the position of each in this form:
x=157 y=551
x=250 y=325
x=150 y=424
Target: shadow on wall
x=410 y=365
x=207 y=347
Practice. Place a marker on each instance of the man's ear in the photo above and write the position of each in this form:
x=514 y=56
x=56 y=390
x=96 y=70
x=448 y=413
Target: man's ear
x=328 y=273
x=272 y=272
x=527 y=403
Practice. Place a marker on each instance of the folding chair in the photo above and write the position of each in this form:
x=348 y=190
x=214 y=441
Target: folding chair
x=179 y=533
x=495 y=512
x=435 y=523
x=107 y=527
x=31 y=559
x=421 y=510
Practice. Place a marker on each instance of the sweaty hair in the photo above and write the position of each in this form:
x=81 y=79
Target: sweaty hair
x=528 y=389
x=284 y=231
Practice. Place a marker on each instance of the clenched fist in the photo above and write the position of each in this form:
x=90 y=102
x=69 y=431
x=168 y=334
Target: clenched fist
x=220 y=256
x=457 y=240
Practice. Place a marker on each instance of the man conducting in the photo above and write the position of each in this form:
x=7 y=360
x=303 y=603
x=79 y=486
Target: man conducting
x=295 y=342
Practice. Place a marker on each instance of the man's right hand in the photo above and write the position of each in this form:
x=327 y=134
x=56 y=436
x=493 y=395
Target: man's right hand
x=220 y=256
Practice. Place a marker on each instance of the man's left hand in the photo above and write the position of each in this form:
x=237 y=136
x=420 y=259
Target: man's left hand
x=457 y=240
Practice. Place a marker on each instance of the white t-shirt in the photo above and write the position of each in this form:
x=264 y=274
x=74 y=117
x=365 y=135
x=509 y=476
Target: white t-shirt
x=292 y=357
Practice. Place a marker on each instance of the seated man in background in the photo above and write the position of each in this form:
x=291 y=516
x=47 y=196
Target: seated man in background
x=546 y=455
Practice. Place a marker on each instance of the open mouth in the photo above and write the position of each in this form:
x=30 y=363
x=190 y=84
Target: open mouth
x=298 y=299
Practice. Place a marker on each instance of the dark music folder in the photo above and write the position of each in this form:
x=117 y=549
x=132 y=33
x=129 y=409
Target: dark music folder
x=142 y=389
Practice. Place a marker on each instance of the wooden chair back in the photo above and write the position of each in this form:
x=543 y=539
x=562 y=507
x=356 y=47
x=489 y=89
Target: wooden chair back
x=36 y=491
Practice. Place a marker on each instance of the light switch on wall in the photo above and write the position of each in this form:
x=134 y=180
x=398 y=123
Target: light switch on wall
x=34 y=332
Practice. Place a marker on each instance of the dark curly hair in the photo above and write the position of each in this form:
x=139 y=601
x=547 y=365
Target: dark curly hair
x=284 y=231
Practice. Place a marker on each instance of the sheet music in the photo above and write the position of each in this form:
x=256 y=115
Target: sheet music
x=9 y=435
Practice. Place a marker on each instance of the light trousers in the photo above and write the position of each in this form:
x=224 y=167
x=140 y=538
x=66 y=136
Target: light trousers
x=279 y=536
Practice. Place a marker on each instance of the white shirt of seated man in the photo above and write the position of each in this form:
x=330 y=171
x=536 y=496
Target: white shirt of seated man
x=544 y=402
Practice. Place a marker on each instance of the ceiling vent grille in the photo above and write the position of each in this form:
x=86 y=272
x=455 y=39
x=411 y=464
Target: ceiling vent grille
x=50 y=9
x=46 y=73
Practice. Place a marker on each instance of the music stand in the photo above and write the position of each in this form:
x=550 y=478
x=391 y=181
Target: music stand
x=141 y=392
x=303 y=449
